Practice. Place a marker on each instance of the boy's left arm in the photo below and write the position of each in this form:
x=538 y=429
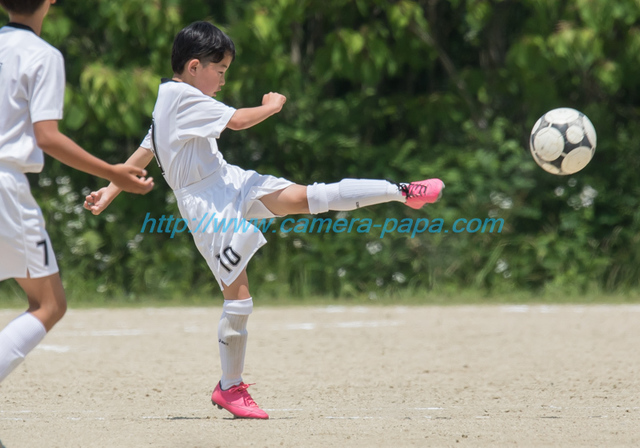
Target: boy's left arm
x=245 y=118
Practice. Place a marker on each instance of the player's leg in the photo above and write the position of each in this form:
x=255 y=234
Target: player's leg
x=291 y=200
x=27 y=256
x=47 y=300
x=350 y=194
x=231 y=393
x=47 y=305
x=232 y=330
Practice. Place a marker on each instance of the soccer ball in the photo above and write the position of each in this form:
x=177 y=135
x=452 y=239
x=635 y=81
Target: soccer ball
x=563 y=141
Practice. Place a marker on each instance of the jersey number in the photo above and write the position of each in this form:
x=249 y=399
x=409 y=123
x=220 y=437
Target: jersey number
x=231 y=257
x=46 y=251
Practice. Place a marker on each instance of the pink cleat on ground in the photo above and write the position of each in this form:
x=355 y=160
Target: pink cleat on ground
x=237 y=401
x=422 y=192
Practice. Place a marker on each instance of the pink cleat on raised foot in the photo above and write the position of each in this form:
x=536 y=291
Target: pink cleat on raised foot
x=237 y=401
x=422 y=192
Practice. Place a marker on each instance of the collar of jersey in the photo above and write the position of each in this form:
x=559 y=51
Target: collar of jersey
x=20 y=26
x=163 y=80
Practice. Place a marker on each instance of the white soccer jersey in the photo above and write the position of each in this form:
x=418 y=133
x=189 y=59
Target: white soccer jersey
x=187 y=124
x=32 y=82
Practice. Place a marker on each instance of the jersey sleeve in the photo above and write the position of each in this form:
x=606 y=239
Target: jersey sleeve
x=146 y=143
x=46 y=87
x=201 y=116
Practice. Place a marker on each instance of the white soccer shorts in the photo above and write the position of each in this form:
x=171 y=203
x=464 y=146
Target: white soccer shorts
x=233 y=195
x=25 y=247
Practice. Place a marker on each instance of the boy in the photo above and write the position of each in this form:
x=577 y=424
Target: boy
x=32 y=82
x=186 y=123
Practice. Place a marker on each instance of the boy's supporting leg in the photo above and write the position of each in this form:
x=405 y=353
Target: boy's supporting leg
x=231 y=393
x=232 y=339
x=47 y=305
x=350 y=194
x=17 y=340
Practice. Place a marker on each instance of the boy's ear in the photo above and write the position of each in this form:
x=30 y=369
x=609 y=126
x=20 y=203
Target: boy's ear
x=192 y=66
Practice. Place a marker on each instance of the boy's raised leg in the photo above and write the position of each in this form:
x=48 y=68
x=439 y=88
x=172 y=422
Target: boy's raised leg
x=351 y=194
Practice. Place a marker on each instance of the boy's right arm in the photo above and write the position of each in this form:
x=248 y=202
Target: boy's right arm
x=99 y=200
x=61 y=147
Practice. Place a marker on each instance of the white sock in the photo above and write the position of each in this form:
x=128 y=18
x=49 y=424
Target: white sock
x=350 y=194
x=232 y=340
x=17 y=340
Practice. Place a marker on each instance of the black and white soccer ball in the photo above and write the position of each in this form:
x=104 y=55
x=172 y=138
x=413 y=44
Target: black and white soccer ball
x=563 y=141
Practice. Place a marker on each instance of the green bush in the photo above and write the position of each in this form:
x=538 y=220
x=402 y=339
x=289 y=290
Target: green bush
x=401 y=90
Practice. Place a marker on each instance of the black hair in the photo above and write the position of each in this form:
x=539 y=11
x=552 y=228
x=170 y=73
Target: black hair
x=202 y=41
x=25 y=7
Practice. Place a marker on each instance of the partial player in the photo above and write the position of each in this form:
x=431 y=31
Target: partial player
x=563 y=141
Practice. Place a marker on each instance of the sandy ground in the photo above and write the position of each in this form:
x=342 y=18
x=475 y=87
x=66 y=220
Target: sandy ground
x=489 y=376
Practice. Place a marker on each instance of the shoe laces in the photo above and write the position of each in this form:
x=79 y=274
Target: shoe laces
x=242 y=389
x=413 y=189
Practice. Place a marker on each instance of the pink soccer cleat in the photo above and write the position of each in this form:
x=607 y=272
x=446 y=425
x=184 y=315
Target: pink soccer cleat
x=237 y=401
x=422 y=192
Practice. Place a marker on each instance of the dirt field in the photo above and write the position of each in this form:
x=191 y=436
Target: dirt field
x=334 y=377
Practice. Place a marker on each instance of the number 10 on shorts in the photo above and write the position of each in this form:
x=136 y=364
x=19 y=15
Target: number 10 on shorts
x=228 y=258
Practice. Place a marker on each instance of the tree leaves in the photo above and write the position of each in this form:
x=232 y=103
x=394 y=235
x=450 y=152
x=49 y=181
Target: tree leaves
x=376 y=89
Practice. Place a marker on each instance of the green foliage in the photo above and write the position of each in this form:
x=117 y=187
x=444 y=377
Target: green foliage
x=378 y=89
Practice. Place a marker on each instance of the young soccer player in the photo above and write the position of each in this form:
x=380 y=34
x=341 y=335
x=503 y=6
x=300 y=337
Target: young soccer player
x=32 y=82
x=186 y=123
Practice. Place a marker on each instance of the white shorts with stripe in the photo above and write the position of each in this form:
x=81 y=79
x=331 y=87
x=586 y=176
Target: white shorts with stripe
x=25 y=247
x=230 y=197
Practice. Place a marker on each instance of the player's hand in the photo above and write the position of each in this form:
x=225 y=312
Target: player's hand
x=274 y=99
x=97 y=201
x=131 y=179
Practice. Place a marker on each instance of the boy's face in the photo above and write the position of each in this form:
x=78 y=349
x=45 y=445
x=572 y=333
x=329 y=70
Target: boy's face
x=209 y=78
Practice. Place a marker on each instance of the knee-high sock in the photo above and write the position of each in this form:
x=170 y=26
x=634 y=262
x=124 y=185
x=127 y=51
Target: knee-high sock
x=232 y=340
x=17 y=340
x=350 y=194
